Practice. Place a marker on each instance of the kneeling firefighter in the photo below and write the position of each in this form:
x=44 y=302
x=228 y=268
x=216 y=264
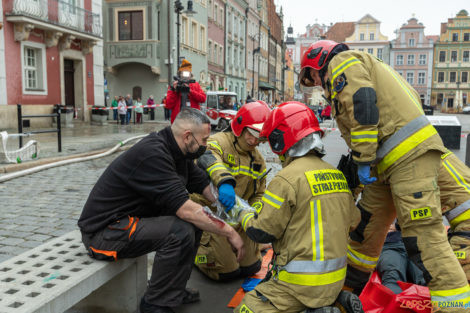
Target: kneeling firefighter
x=307 y=212
x=235 y=167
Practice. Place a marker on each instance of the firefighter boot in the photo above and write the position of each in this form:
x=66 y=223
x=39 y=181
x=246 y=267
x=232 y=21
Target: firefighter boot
x=348 y=302
x=325 y=309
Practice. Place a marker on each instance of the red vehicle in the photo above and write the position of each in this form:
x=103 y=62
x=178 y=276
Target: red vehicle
x=219 y=107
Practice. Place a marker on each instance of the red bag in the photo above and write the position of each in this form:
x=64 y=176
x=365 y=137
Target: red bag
x=376 y=298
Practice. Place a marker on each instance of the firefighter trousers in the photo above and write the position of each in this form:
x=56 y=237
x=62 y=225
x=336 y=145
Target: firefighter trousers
x=216 y=259
x=174 y=241
x=454 y=184
x=409 y=191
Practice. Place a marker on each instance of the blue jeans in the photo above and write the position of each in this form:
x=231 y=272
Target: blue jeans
x=128 y=116
x=123 y=118
x=115 y=114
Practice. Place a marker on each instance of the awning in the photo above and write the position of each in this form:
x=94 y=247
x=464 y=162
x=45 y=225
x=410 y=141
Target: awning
x=263 y=85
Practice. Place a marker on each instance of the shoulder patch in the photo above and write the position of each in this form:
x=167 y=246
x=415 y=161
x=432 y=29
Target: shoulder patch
x=340 y=82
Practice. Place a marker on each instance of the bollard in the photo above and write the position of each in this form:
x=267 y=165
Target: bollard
x=467 y=152
x=20 y=124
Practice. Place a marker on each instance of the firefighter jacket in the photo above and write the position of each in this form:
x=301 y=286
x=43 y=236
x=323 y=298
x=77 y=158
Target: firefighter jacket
x=307 y=211
x=227 y=162
x=378 y=113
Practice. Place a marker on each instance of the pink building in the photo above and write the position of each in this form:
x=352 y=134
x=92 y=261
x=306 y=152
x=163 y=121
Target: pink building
x=216 y=46
x=47 y=47
x=411 y=55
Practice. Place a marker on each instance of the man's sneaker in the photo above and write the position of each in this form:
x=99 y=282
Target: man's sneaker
x=325 y=309
x=348 y=302
x=192 y=295
x=150 y=308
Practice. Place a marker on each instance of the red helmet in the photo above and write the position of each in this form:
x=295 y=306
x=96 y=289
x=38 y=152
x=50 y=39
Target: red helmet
x=287 y=124
x=251 y=115
x=315 y=57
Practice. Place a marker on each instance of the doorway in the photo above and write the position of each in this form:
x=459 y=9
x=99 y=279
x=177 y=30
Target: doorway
x=137 y=93
x=69 y=83
x=450 y=103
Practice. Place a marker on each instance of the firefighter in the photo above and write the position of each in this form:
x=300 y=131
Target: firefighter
x=235 y=167
x=306 y=212
x=454 y=184
x=398 y=154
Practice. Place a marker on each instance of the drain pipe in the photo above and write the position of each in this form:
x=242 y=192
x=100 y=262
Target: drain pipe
x=36 y=169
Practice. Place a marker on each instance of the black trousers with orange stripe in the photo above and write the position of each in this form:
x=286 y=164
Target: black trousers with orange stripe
x=174 y=241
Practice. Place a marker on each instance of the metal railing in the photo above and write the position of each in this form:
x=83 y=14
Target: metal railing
x=60 y=12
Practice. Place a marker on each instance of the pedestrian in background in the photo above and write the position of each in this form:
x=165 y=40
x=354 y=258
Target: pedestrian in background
x=167 y=111
x=129 y=104
x=150 y=101
x=114 y=105
x=122 y=109
x=139 y=110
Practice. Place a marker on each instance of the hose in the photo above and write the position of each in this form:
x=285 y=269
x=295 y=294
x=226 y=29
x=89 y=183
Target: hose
x=36 y=169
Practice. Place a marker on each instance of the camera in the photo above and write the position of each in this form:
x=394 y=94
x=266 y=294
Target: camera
x=183 y=82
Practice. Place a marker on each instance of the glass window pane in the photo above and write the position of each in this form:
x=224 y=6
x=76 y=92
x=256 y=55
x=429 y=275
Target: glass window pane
x=137 y=25
x=124 y=25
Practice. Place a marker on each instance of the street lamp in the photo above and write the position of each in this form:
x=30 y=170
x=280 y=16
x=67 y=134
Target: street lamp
x=178 y=10
x=257 y=50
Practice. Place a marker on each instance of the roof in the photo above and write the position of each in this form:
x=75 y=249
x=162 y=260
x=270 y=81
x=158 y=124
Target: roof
x=340 y=31
x=434 y=38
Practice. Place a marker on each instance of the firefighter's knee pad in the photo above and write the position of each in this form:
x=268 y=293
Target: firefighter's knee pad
x=249 y=270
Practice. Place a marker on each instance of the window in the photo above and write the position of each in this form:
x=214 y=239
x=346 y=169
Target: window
x=209 y=11
x=34 y=68
x=215 y=55
x=361 y=49
x=184 y=30
x=221 y=55
x=411 y=42
x=216 y=10
x=466 y=37
x=400 y=59
x=455 y=37
x=361 y=37
x=440 y=77
x=410 y=78
x=229 y=22
x=209 y=56
x=229 y=55
x=411 y=59
x=453 y=56
x=452 y=77
x=422 y=59
x=442 y=56
x=464 y=99
x=421 y=78
x=221 y=16
x=465 y=56
x=440 y=98
x=202 y=38
x=400 y=72
x=370 y=50
x=379 y=53
x=193 y=39
x=371 y=36
x=464 y=77
x=131 y=25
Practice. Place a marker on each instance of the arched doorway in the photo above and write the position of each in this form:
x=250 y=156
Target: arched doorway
x=137 y=92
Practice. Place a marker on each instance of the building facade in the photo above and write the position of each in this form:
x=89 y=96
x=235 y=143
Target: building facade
x=367 y=37
x=216 y=44
x=411 y=55
x=141 y=46
x=451 y=88
x=252 y=51
x=51 y=52
x=264 y=88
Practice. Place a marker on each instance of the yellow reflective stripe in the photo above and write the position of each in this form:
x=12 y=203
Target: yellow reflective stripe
x=316 y=225
x=272 y=199
x=364 y=140
x=364 y=136
x=246 y=218
x=268 y=201
x=361 y=259
x=343 y=66
x=449 y=292
x=365 y=132
x=452 y=297
x=253 y=172
x=215 y=145
x=405 y=146
x=312 y=279
x=459 y=219
x=456 y=175
x=404 y=87
x=216 y=166
x=269 y=193
x=445 y=155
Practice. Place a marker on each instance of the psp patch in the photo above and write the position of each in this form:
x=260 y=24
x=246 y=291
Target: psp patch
x=417 y=214
x=461 y=255
x=339 y=83
x=200 y=259
x=245 y=309
x=231 y=159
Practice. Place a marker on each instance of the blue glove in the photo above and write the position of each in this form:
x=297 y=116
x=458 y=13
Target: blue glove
x=363 y=171
x=227 y=196
x=250 y=283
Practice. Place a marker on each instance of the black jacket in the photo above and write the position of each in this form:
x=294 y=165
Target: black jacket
x=151 y=179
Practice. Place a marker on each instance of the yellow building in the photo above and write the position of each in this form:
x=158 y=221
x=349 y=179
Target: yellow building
x=367 y=37
x=451 y=86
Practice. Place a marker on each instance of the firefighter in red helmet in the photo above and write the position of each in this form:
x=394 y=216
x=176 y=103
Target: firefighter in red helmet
x=307 y=212
x=398 y=153
x=235 y=167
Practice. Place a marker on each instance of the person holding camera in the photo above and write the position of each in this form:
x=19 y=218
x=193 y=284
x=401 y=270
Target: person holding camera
x=184 y=87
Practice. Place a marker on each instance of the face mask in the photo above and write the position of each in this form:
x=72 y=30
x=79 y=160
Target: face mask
x=199 y=152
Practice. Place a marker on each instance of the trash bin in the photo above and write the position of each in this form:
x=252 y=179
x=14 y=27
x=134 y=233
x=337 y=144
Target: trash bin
x=66 y=115
x=449 y=128
x=428 y=110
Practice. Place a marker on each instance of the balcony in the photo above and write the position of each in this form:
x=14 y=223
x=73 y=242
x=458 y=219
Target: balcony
x=137 y=51
x=55 y=15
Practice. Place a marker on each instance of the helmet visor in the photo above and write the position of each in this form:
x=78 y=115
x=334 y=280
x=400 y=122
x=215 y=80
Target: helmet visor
x=305 y=79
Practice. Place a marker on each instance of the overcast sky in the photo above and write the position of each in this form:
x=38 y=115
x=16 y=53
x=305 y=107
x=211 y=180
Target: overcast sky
x=391 y=14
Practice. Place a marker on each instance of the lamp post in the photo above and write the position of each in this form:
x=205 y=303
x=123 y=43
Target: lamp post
x=178 y=10
x=457 y=96
x=257 y=50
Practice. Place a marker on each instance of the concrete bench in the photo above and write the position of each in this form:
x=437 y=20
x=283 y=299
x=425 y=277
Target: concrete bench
x=59 y=276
